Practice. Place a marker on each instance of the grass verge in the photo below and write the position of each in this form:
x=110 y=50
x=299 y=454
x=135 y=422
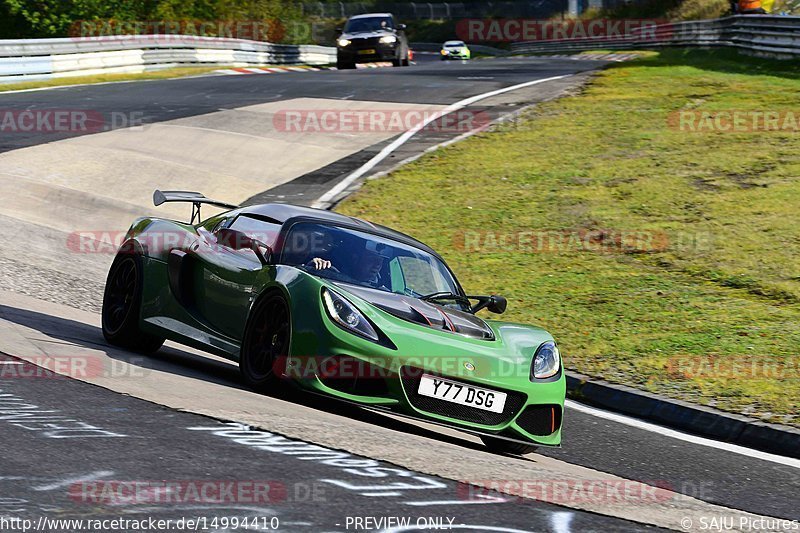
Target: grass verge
x=107 y=78
x=660 y=258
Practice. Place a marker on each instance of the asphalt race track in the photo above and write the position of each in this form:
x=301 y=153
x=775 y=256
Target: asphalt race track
x=184 y=418
x=302 y=488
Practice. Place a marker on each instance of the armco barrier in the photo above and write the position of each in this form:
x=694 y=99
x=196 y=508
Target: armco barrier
x=763 y=35
x=37 y=59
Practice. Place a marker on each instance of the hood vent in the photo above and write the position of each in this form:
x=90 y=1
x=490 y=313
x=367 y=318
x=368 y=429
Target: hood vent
x=424 y=313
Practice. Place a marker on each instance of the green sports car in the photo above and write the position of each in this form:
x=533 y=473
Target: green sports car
x=338 y=306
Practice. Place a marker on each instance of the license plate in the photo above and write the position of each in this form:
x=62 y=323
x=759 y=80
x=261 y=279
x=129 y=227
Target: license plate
x=452 y=391
x=368 y=52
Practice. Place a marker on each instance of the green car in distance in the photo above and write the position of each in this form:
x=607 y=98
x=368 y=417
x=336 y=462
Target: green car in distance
x=455 y=50
x=339 y=306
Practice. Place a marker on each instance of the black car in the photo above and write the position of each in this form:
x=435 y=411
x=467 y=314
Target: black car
x=372 y=37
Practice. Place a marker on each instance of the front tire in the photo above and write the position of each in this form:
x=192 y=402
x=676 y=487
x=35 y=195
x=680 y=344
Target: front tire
x=503 y=446
x=266 y=342
x=343 y=65
x=122 y=302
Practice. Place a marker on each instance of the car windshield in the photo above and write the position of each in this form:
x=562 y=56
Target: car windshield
x=362 y=25
x=453 y=44
x=364 y=259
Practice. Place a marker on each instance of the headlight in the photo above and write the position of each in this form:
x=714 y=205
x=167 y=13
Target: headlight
x=347 y=316
x=546 y=362
x=343 y=42
x=388 y=39
x=445 y=52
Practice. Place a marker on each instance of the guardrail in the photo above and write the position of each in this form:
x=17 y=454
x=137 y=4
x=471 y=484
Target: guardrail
x=41 y=59
x=763 y=35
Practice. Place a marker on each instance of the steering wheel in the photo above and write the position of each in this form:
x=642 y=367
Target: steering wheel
x=311 y=266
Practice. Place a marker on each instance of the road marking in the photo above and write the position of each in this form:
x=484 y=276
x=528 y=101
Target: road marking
x=340 y=187
x=561 y=522
x=483 y=499
x=457 y=526
x=653 y=428
x=71 y=481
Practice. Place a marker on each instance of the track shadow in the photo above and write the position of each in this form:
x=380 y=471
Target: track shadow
x=179 y=362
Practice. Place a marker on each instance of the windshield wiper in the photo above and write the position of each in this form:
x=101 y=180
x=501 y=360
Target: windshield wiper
x=433 y=297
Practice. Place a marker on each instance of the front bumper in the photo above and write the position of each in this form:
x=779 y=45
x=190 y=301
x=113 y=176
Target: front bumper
x=452 y=55
x=367 y=53
x=357 y=370
x=533 y=416
x=326 y=359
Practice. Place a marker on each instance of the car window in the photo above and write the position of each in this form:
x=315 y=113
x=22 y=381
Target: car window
x=365 y=259
x=256 y=228
x=214 y=224
x=369 y=24
x=422 y=276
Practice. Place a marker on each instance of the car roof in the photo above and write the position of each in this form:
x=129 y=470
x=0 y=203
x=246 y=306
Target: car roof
x=283 y=212
x=370 y=15
x=453 y=42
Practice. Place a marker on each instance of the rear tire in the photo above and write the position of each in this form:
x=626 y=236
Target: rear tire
x=507 y=447
x=122 y=302
x=266 y=340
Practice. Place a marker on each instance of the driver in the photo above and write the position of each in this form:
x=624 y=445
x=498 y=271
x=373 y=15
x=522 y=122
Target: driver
x=365 y=265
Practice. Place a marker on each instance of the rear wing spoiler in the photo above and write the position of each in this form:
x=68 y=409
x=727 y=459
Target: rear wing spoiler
x=195 y=198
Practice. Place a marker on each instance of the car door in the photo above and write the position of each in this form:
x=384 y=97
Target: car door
x=225 y=282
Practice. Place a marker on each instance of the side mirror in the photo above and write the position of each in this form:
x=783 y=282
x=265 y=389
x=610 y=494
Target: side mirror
x=494 y=304
x=497 y=305
x=339 y=29
x=401 y=27
x=236 y=240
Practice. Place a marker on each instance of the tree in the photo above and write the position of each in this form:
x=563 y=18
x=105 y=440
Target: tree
x=54 y=18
